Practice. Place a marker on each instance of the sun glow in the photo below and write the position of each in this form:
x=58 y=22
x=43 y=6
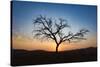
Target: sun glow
x=22 y=42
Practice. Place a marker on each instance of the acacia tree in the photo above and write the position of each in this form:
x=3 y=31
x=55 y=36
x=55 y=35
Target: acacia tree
x=53 y=29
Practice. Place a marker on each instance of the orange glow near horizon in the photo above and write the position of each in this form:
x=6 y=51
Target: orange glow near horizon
x=25 y=43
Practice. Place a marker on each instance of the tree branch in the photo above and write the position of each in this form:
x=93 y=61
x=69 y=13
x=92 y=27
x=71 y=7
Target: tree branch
x=78 y=36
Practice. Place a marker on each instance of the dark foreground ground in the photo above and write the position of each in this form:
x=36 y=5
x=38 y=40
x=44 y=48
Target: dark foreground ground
x=22 y=57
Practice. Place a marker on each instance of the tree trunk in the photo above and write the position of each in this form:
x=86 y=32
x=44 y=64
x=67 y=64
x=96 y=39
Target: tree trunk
x=57 y=48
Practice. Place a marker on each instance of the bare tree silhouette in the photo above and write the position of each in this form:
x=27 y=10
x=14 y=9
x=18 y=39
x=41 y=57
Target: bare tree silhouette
x=51 y=28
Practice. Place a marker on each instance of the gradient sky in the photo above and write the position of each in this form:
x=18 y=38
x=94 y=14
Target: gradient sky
x=78 y=17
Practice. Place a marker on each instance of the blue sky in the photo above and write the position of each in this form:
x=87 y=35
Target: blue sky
x=78 y=16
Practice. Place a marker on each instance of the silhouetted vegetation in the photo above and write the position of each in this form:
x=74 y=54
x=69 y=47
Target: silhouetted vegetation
x=50 y=28
x=23 y=57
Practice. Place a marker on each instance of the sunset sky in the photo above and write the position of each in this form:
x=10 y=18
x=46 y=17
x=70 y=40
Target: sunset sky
x=78 y=17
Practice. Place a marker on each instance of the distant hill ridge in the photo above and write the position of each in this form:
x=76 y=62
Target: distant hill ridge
x=25 y=51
